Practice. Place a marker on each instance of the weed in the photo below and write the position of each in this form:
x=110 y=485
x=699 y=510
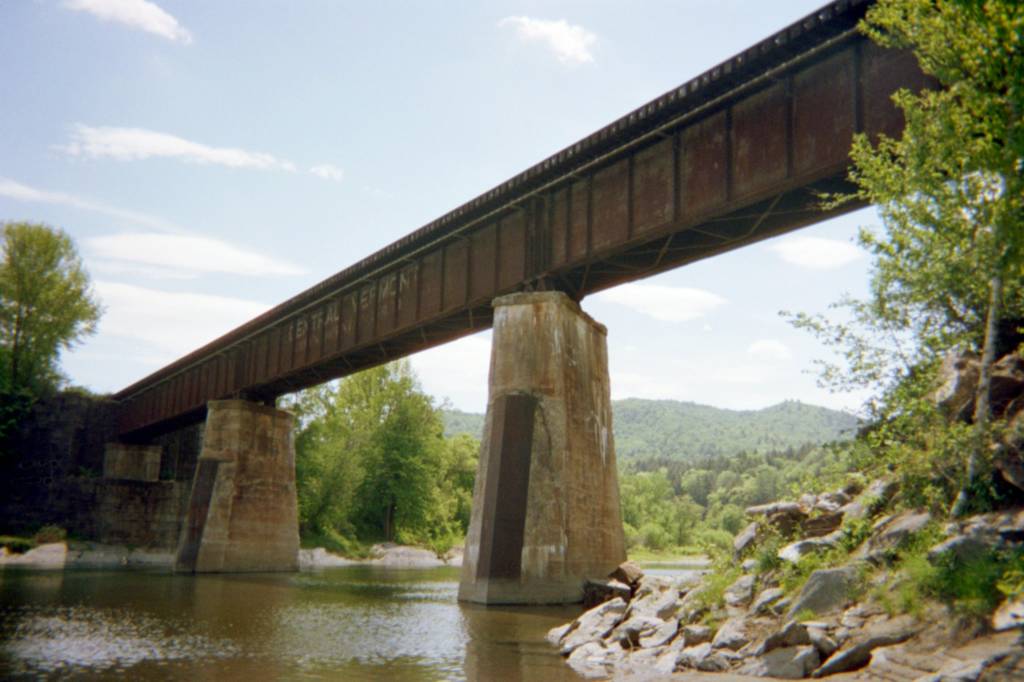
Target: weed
x=50 y=533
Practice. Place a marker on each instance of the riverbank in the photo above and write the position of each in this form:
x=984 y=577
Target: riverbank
x=71 y=555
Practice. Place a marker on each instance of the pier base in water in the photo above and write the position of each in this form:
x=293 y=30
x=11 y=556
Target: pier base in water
x=243 y=510
x=546 y=500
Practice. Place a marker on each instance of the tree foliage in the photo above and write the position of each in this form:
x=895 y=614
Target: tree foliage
x=372 y=463
x=949 y=262
x=46 y=304
x=948 y=269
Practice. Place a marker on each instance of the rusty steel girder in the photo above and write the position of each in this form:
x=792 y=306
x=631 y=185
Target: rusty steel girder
x=735 y=155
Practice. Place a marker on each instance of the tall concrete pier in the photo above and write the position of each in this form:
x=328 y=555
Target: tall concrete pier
x=243 y=511
x=546 y=500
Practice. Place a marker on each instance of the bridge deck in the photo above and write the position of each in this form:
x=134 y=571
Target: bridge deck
x=730 y=157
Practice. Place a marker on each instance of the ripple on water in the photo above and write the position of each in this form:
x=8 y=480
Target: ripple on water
x=47 y=639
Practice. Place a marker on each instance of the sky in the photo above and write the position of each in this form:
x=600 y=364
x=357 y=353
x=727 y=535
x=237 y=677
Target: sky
x=211 y=159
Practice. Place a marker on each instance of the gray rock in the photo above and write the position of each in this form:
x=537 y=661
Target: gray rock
x=702 y=657
x=1010 y=465
x=741 y=591
x=825 y=590
x=765 y=599
x=745 y=538
x=857 y=652
x=696 y=634
x=1010 y=614
x=732 y=635
x=790 y=635
x=556 y=634
x=890 y=533
x=958 y=377
x=821 y=641
x=628 y=632
x=599 y=591
x=823 y=523
x=749 y=565
x=662 y=603
x=661 y=635
x=628 y=573
x=962 y=547
x=795 y=551
x=786 y=516
x=593 y=625
x=791 y=663
x=594 y=659
x=853 y=510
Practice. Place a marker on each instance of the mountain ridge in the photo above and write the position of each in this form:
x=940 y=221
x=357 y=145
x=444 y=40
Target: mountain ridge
x=684 y=430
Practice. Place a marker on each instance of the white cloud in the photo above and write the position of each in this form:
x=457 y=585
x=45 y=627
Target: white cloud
x=769 y=350
x=131 y=144
x=671 y=304
x=570 y=43
x=816 y=253
x=139 y=14
x=328 y=171
x=178 y=255
x=170 y=324
x=20 y=192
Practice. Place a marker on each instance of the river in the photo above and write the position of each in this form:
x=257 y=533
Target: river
x=352 y=623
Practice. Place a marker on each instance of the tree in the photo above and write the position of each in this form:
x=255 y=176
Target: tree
x=372 y=462
x=46 y=305
x=949 y=265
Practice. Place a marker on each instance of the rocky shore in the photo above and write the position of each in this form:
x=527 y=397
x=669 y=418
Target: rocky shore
x=740 y=618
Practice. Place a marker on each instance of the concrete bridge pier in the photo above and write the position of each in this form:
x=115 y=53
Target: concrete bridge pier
x=243 y=511
x=546 y=499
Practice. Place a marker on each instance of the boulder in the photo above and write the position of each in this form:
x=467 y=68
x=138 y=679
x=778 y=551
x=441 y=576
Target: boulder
x=745 y=538
x=741 y=591
x=628 y=573
x=890 y=532
x=696 y=634
x=595 y=659
x=821 y=641
x=655 y=599
x=832 y=501
x=765 y=599
x=1010 y=614
x=1009 y=462
x=786 y=516
x=593 y=625
x=823 y=523
x=795 y=551
x=962 y=547
x=958 y=383
x=826 y=590
x=702 y=657
x=556 y=633
x=1007 y=383
x=857 y=652
x=791 y=663
x=791 y=634
x=731 y=635
x=599 y=591
x=644 y=631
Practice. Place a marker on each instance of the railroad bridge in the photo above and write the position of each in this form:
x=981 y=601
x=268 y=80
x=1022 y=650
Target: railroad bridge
x=735 y=155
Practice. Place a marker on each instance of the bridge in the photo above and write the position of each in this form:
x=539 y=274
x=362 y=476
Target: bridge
x=735 y=155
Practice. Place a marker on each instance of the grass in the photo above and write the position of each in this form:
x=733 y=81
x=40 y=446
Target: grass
x=670 y=555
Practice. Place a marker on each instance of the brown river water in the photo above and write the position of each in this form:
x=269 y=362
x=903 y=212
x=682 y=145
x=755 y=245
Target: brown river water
x=349 y=623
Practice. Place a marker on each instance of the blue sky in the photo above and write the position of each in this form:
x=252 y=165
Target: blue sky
x=211 y=159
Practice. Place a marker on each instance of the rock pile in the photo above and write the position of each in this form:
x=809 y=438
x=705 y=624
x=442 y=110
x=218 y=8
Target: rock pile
x=656 y=625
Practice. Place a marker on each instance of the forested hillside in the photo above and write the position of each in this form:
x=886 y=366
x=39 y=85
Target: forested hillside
x=682 y=431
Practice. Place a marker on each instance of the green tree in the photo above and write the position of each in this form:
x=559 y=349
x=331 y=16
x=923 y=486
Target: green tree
x=949 y=263
x=46 y=304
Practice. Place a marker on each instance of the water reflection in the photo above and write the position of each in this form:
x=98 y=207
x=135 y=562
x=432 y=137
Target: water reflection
x=352 y=623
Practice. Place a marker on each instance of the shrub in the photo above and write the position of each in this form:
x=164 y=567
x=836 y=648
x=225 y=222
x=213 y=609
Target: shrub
x=50 y=533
